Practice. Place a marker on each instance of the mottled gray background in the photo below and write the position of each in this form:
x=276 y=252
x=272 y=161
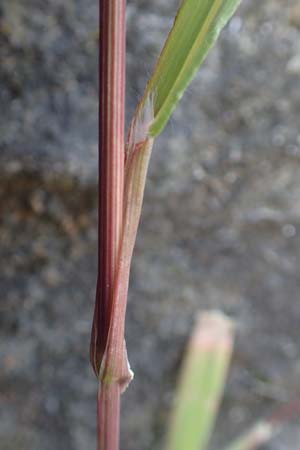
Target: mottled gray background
x=220 y=225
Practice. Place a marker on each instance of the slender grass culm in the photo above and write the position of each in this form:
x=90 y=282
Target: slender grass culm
x=111 y=180
x=122 y=175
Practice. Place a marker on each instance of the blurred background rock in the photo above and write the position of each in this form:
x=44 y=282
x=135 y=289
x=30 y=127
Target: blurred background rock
x=220 y=225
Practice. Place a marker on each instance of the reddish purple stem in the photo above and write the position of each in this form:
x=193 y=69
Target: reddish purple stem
x=111 y=187
x=111 y=164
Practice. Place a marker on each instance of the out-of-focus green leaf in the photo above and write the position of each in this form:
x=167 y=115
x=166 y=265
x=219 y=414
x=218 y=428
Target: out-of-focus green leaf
x=196 y=28
x=201 y=384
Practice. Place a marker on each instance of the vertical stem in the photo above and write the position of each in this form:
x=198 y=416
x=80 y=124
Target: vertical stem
x=108 y=416
x=111 y=163
x=111 y=182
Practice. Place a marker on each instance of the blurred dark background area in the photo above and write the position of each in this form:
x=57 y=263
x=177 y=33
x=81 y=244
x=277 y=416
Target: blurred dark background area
x=220 y=225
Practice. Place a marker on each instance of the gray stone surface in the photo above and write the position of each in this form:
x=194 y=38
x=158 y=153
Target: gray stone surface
x=220 y=225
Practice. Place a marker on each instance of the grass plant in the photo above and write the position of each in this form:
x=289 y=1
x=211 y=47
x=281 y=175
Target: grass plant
x=123 y=165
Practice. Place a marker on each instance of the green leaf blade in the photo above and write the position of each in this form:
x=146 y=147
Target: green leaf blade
x=201 y=384
x=196 y=28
